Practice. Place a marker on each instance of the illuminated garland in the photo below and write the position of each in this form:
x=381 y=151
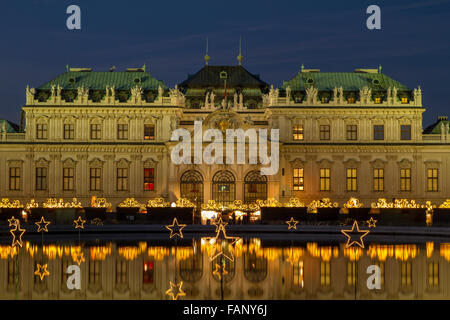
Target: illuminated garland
x=157 y=203
x=353 y=203
x=184 y=203
x=5 y=203
x=212 y=206
x=271 y=202
x=397 y=204
x=324 y=203
x=53 y=203
x=32 y=204
x=445 y=204
x=100 y=203
x=294 y=203
x=131 y=203
x=238 y=205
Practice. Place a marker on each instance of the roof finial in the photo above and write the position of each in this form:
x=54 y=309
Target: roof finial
x=206 y=55
x=302 y=67
x=240 y=57
x=143 y=67
x=67 y=68
x=379 y=68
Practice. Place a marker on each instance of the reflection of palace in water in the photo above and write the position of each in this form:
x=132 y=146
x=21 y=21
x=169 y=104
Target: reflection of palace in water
x=311 y=271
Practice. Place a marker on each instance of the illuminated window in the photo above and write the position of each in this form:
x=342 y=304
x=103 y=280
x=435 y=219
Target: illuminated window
x=122 y=179
x=95 y=132
x=406 y=274
x=94 y=273
x=433 y=274
x=378 y=132
x=351 y=179
x=122 y=131
x=352 y=132
x=351 y=273
x=148 y=272
x=95 y=179
x=325 y=179
x=149 y=179
x=69 y=132
x=324 y=132
x=405 y=179
x=191 y=187
x=41 y=178
x=297 y=132
x=404 y=100
x=377 y=100
x=149 y=132
x=14 y=178
x=68 y=178
x=255 y=267
x=378 y=179
x=405 y=132
x=325 y=273
x=41 y=131
x=255 y=186
x=298 y=179
x=297 y=274
x=351 y=100
x=432 y=179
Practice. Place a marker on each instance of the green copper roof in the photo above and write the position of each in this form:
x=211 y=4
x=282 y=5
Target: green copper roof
x=10 y=127
x=95 y=80
x=435 y=128
x=349 y=81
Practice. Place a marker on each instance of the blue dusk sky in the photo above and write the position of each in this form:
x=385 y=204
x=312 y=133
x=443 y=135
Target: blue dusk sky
x=413 y=45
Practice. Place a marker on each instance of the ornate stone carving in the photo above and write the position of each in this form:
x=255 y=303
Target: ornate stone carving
x=96 y=162
x=405 y=163
x=311 y=95
x=42 y=162
x=378 y=163
x=30 y=95
x=365 y=95
x=69 y=162
x=418 y=96
x=122 y=163
x=136 y=94
x=149 y=162
x=15 y=163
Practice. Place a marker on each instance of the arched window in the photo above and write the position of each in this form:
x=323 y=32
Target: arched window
x=255 y=267
x=191 y=269
x=223 y=269
x=224 y=187
x=191 y=187
x=255 y=187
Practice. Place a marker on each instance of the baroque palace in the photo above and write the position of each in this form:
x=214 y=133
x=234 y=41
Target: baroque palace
x=108 y=134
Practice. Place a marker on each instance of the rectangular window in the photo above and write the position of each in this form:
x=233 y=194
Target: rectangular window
x=41 y=178
x=352 y=132
x=351 y=100
x=378 y=179
x=94 y=179
x=297 y=132
x=432 y=180
x=69 y=131
x=95 y=132
x=121 y=272
x=351 y=273
x=149 y=179
x=377 y=100
x=351 y=179
x=378 y=132
x=297 y=274
x=41 y=131
x=94 y=272
x=148 y=272
x=404 y=100
x=325 y=179
x=406 y=274
x=325 y=273
x=122 y=131
x=68 y=179
x=433 y=274
x=14 y=178
x=298 y=179
x=405 y=179
x=324 y=132
x=405 y=132
x=149 y=132
x=122 y=179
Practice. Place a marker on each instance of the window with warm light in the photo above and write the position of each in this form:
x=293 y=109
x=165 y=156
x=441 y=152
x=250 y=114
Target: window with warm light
x=325 y=273
x=297 y=274
x=14 y=178
x=149 y=179
x=122 y=179
x=324 y=132
x=351 y=100
x=297 y=132
x=405 y=179
x=325 y=179
x=94 y=273
x=95 y=179
x=432 y=180
x=378 y=179
x=69 y=132
x=41 y=178
x=68 y=179
x=298 y=179
x=95 y=132
x=352 y=132
x=149 y=132
x=404 y=100
x=406 y=274
x=148 y=272
x=377 y=100
x=351 y=179
x=433 y=274
x=351 y=273
x=122 y=131
x=41 y=131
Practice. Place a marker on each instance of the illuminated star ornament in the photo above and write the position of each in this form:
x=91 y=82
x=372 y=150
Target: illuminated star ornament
x=17 y=234
x=218 y=248
x=372 y=222
x=219 y=224
x=78 y=257
x=42 y=271
x=218 y=272
x=42 y=225
x=79 y=223
x=292 y=224
x=13 y=221
x=175 y=290
x=175 y=228
x=350 y=234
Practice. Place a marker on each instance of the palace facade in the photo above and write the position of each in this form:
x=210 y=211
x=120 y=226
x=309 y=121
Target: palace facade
x=108 y=134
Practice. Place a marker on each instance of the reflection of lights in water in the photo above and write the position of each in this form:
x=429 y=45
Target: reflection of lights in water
x=430 y=249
